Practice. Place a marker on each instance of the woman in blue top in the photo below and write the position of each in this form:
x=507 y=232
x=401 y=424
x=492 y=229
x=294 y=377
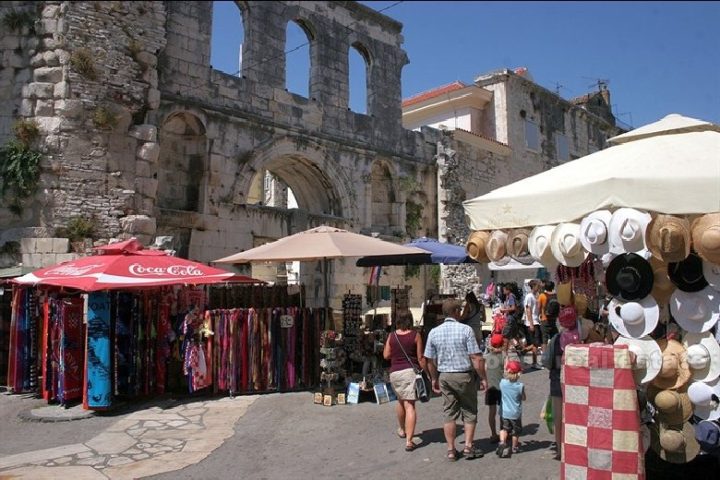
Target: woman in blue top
x=513 y=394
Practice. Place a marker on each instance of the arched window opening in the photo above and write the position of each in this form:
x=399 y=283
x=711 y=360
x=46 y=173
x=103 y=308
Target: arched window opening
x=297 y=59
x=359 y=61
x=228 y=35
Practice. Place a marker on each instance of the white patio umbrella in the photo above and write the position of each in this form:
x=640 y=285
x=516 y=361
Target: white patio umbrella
x=670 y=166
x=320 y=243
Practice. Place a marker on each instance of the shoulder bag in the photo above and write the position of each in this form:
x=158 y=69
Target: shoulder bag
x=422 y=383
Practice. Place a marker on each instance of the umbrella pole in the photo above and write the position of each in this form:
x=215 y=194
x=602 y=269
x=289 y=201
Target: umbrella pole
x=325 y=280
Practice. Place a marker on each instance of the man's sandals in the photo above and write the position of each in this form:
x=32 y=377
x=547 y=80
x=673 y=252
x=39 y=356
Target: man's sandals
x=469 y=453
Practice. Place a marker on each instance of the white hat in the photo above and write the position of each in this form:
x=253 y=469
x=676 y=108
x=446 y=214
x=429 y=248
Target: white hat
x=565 y=245
x=539 y=246
x=696 y=312
x=594 y=232
x=711 y=272
x=703 y=356
x=634 y=319
x=495 y=247
x=627 y=230
x=648 y=357
x=701 y=395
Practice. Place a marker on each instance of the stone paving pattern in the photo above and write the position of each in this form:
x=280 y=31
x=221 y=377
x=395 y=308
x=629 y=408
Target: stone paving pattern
x=146 y=442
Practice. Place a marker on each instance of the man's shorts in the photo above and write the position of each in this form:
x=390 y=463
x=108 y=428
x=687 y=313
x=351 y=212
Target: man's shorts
x=534 y=337
x=492 y=396
x=512 y=427
x=459 y=392
x=548 y=329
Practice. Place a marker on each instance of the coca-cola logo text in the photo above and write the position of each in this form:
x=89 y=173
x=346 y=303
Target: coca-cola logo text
x=71 y=270
x=172 y=270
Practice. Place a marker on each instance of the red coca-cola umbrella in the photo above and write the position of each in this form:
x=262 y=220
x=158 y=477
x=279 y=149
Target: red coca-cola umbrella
x=126 y=265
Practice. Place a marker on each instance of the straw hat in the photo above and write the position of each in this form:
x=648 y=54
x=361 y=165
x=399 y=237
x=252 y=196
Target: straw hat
x=706 y=237
x=476 y=244
x=687 y=275
x=495 y=247
x=662 y=286
x=706 y=398
x=711 y=272
x=539 y=246
x=674 y=372
x=565 y=245
x=675 y=444
x=696 y=312
x=668 y=238
x=673 y=408
x=627 y=230
x=580 y=301
x=648 y=357
x=634 y=319
x=517 y=246
x=594 y=232
x=564 y=293
x=629 y=277
x=703 y=356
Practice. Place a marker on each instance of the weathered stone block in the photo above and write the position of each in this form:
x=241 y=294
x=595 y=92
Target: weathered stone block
x=138 y=224
x=50 y=11
x=151 y=77
x=149 y=151
x=146 y=186
x=66 y=257
x=44 y=108
x=146 y=133
x=63 y=56
x=69 y=108
x=144 y=169
x=44 y=245
x=48 y=74
x=27 y=107
x=60 y=245
x=61 y=90
x=153 y=98
x=146 y=59
x=37 y=60
x=27 y=245
x=51 y=59
x=48 y=125
x=38 y=90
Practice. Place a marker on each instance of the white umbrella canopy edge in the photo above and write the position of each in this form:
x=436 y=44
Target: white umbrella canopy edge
x=674 y=173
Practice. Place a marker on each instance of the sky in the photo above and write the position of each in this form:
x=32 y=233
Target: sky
x=657 y=57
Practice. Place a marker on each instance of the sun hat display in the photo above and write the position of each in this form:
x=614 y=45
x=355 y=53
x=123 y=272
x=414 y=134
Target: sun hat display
x=475 y=246
x=580 y=301
x=565 y=245
x=688 y=274
x=703 y=356
x=706 y=236
x=707 y=433
x=676 y=444
x=706 y=398
x=696 y=312
x=495 y=247
x=662 y=286
x=674 y=371
x=629 y=277
x=634 y=319
x=539 y=245
x=668 y=238
x=673 y=408
x=564 y=293
x=517 y=246
x=648 y=357
x=594 y=232
x=711 y=272
x=627 y=230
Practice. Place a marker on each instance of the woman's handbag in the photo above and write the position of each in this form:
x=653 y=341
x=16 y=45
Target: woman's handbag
x=422 y=383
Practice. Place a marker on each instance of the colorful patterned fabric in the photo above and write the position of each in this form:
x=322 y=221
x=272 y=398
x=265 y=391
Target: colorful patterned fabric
x=601 y=420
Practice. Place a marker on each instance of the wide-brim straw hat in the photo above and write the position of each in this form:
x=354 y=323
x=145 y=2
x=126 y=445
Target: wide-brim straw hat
x=564 y=294
x=706 y=237
x=705 y=396
x=672 y=407
x=495 y=247
x=517 y=246
x=566 y=246
x=711 y=272
x=687 y=275
x=662 y=285
x=668 y=238
x=696 y=312
x=675 y=371
x=629 y=277
x=594 y=232
x=674 y=444
x=634 y=319
x=627 y=230
x=648 y=357
x=476 y=244
x=539 y=246
x=703 y=356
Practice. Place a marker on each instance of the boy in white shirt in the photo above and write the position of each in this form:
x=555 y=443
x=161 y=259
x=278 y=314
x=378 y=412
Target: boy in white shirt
x=531 y=319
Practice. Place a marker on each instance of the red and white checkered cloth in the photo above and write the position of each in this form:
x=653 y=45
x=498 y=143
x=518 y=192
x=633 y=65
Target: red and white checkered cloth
x=601 y=419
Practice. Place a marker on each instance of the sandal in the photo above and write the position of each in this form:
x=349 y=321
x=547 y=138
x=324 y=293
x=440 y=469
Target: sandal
x=470 y=453
x=452 y=455
x=400 y=433
x=409 y=447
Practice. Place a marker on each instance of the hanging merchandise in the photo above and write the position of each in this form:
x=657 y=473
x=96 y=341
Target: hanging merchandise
x=23 y=351
x=99 y=378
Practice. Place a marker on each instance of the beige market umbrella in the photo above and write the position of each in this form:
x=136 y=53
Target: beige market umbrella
x=670 y=166
x=320 y=243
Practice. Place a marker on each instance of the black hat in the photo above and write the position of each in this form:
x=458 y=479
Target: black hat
x=687 y=275
x=629 y=277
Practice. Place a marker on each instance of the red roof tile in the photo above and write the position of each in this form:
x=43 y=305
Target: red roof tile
x=483 y=136
x=435 y=92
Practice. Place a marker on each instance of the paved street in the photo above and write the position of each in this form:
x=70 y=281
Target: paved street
x=257 y=437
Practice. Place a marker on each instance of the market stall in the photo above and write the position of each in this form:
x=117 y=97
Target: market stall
x=641 y=221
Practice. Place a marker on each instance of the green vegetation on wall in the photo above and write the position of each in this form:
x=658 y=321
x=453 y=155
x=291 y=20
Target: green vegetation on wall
x=19 y=165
